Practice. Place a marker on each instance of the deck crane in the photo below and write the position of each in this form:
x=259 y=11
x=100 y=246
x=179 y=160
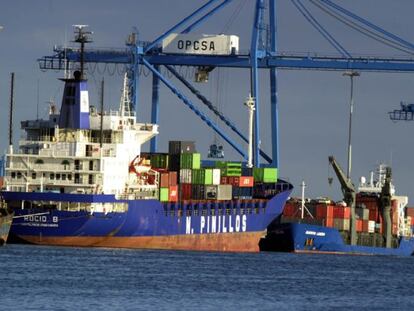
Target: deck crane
x=385 y=202
x=348 y=190
x=150 y=55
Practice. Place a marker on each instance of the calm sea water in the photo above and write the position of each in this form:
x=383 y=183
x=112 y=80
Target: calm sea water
x=57 y=278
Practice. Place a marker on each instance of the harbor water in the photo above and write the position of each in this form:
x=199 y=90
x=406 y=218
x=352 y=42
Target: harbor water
x=58 y=278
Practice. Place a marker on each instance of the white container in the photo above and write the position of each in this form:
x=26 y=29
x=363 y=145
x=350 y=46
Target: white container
x=224 y=192
x=371 y=226
x=186 y=176
x=200 y=44
x=216 y=176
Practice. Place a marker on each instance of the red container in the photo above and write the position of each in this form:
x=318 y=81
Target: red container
x=172 y=176
x=185 y=191
x=374 y=215
x=173 y=194
x=410 y=212
x=359 y=225
x=246 y=181
x=224 y=180
x=290 y=209
x=341 y=212
x=1 y=181
x=164 y=180
x=324 y=211
x=364 y=225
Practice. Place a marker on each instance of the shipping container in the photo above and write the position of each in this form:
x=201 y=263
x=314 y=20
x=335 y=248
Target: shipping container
x=324 y=211
x=371 y=226
x=178 y=147
x=164 y=180
x=247 y=171
x=211 y=192
x=224 y=192
x=216 y=176
x=329 y=222
x=410 y=212
x=185 y=191
x=359 y=225
x=173 y=194
x=365 y=225
x=164 y=194
x=198 y=192
x=190 y=160
x=172 y=178
x=246 y=181
x=362 y=213
x=342 y=212
x=342 y=224
x=186 y=176
x=189 y=43
x=160 y=160
x=265 y=174
x=202 y=176
x=174 y=163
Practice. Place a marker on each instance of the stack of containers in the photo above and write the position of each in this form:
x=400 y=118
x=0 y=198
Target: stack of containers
x=265 y=179
x=341 y=217
x=325 y=212
x=241 y=179
x=168 y=186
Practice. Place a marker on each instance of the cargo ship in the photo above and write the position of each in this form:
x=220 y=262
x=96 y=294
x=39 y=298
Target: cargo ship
x=325 y=227
x=80 y=178
x=6 y=217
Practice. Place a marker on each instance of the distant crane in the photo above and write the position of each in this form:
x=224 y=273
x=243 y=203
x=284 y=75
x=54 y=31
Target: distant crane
x=348 y=190
x=406 y=113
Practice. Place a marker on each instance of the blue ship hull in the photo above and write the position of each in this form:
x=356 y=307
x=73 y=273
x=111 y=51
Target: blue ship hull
x=304 y=238
x=197 y=225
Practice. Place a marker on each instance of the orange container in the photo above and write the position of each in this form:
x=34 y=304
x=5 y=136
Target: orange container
x=359 y=225
x=246 y=181
x=364 y=225
x=329 y=222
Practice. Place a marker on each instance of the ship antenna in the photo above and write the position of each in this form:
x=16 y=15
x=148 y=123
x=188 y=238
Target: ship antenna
x=11 y=111
x=102 y=115
x=82 y=37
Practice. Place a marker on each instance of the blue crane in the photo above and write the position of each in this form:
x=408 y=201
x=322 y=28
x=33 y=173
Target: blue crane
x=261 y=56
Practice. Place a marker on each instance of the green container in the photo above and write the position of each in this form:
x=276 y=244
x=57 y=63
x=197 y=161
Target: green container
x=190 y=160
x=203 y=176
x=164 y=194
x=265 y=174
x=228 y=165
x=160 y=160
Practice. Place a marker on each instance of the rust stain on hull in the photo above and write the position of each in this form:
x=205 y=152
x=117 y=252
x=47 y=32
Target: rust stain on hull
x=223 y=242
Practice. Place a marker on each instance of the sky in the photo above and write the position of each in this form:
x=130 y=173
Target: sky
x=313 y=105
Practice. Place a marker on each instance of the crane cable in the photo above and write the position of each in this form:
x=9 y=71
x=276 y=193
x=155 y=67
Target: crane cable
x=308 y=16
x=361 y=29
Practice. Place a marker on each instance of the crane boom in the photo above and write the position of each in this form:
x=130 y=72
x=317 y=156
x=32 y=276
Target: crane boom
x=348 y=190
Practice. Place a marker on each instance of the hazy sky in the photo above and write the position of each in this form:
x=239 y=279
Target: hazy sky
x=314 y=105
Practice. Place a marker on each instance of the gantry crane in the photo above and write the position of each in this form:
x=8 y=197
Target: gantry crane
x=261 y=56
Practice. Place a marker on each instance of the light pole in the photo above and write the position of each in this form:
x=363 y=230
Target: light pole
x=350 y=74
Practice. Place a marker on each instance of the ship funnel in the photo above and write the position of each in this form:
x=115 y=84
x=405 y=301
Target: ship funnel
x=74 y=112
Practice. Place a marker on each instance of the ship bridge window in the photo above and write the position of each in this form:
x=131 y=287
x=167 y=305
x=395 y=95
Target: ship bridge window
x=33 y=175
x=57 y=176
x=19 y=175
x=13 y=174
x=52 y=176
